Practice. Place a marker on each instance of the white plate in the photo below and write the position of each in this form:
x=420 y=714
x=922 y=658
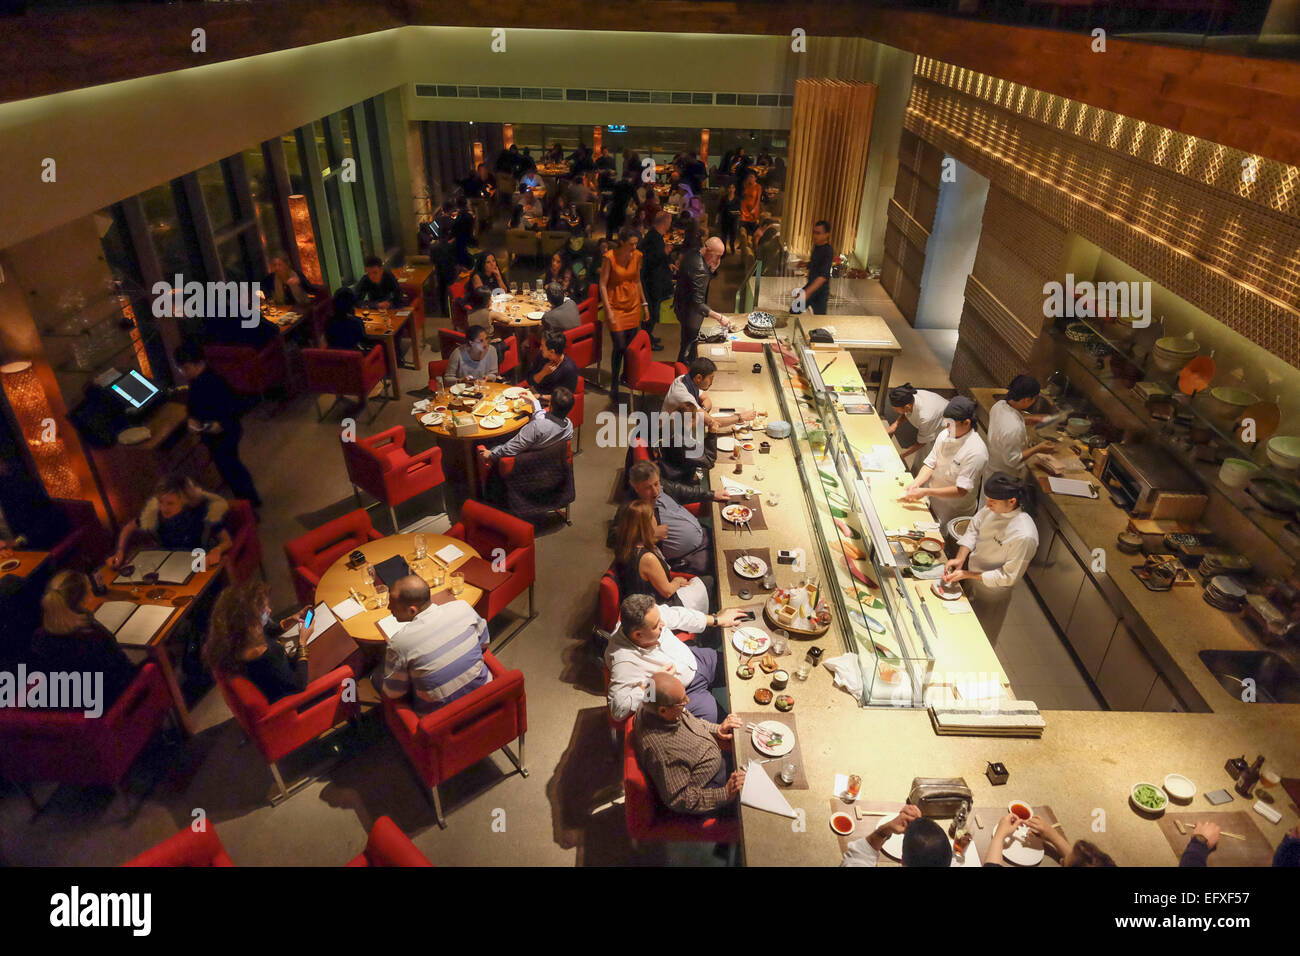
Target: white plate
x=726 y=444
x=431 y=419
x=848 y=816
x=514 y=391
x=492 y=421
x=536 y=316
x=422 y=404
x=459 y=389
x=10 y=564
x=776 y=727
x=751 y=640
x=133 y=436
x=1027 y=853
x=738 y=514
x=759 y=563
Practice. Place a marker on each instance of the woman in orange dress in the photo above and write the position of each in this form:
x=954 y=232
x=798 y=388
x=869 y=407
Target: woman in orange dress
x=751 y=195
x=621 y=295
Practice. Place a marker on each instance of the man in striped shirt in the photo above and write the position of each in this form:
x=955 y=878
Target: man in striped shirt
x=438 y=655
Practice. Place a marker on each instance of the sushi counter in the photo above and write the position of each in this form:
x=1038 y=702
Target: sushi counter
x=823 y=506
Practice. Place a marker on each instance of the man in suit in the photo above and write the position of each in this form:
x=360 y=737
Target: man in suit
x=656 y=273
x=691 y=299
x=214 y=415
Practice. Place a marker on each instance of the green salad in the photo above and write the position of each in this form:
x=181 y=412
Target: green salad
x=1149 y=797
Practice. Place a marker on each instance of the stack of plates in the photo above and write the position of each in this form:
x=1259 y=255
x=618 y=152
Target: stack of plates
x=1078 y=332
x=1219 y=562
x=1225 y=593
x=1174 y=351
x=761 y=325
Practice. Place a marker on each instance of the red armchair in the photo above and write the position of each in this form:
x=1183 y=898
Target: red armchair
x=311 y=554
x=344 y=372
x=437 y=367
x=186 y=848
x=485 y=529
x=381 y=466
x=646 y=375
x=87 y=543
x=389 y=846
x=582 y=349
x=578 y=414
x=449 y=340
x=453 y=738
x=244 y=558
x=510 y=361
x=279 y=729
x=649 y=822
x=61 y=746
x=249 y=371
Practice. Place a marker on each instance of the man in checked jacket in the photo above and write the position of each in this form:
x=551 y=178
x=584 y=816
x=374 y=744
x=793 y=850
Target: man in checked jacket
x=681 y=754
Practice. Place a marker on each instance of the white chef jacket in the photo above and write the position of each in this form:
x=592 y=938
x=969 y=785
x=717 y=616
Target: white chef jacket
x=1001 y=546
x=630 y=665
x=927 y=416
x=1008 y=439
x=960 y=462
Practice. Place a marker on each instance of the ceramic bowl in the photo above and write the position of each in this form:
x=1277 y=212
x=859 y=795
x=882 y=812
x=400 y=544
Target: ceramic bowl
x=1227 y=403
x=1162 y=798
x=1284 y=451
x=932 y=546
x=1237 y=472
x=1179 y=787
x=1077 y=426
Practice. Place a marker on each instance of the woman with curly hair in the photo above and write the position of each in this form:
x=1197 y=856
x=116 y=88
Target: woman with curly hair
x=240 y=643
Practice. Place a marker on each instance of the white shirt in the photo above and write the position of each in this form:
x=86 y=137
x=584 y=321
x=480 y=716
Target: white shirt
x=927 y=416
x=1001 y=546
x=631 y=665
x=860 y=853
x=680 y=400
x=960 y=462
x=1008 y=439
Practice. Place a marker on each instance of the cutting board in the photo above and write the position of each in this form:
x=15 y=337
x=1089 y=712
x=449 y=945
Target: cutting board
x=1255 y=850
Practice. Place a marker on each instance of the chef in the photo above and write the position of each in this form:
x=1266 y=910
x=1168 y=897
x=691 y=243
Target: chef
x=995 y=550
x=951 y=473
x=924 y=410
x=1009 y=447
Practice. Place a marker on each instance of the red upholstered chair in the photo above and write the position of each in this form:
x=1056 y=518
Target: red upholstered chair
x=389 y=846
x=449 y=340
x=311 y=555
x=380 y=466
x=249 y=371
x=186 y=848
x=437 y=367
x=65 y=746
x=280 y=728
x=581 y=349
x=646 y=375
x=86 y=544
x=649 y=822
x=321 y=310
x=578 y=414
x=609 y=599
x=244 y=559
x=458 y=735
x=509 y=366
x=459 y=308
x=485 y=529
x=344 y=372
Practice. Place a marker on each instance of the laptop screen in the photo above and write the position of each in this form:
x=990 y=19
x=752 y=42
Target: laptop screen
x=135 y=389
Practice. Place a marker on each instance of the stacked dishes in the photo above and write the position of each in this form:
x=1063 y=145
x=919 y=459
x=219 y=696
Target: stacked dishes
x=1237 y=472
x=1225 y=593
x=1220 y=562
x=1284 y=451
x=761 y=325
x=1173 y=352
x=1226 y=404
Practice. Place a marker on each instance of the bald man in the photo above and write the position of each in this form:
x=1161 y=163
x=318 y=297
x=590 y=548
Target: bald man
x=437 y=655
x=682 y=755
x=691 y=297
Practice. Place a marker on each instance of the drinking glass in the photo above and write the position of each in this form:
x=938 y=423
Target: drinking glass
x=788 y=770
x=370 y=575
x=380 y=600
x=420 y=550
x=438 y=576
x=778 y=643
x=759 y=473
x=539 y=285
x=773 y=497
x=514 y=288
x=804 y=670
x=457 y=584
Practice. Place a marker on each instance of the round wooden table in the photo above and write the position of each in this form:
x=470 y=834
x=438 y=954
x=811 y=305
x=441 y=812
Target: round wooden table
x=516 y=308
x=335 y=582
x=463 y=445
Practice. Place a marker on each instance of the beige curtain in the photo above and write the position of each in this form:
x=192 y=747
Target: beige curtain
x=829 y=131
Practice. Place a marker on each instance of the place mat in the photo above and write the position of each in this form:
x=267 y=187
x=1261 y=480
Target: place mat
x=863 y=827
x=744 y=744
x=989 y=816
x=442 y=596
x=734 y=580
x=478 y=573
x=756 y=521
x=740 y=345
x=328 y=650
x=1255 y=850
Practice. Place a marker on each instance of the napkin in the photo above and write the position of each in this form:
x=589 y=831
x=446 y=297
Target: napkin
x=841 y=785
x=347 y=608
x=760 y=792
x=735 y=488
x=957 y=607
x=448 y=554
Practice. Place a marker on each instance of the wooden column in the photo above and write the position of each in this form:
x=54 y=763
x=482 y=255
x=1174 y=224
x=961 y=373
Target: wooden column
x=830 y=128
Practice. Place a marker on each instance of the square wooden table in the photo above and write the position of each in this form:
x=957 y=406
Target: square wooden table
x=384 y=327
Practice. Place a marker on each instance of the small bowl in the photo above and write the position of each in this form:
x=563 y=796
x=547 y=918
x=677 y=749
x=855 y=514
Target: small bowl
x=1179 y=788
x=785 y=703
x=1076 y=427
x=1149 y=811
x=1130 y=542
x=909 y=545
x=1226 y=404
x=1013 y=804
x=842 y=823
x=932 y=546
x=763 y=696
x=923 y=560
x=1237 y=472
x=1284 y=451
x=745 y=672
x=779 y=680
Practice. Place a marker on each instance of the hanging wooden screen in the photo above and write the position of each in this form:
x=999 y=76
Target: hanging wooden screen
x=829 y=131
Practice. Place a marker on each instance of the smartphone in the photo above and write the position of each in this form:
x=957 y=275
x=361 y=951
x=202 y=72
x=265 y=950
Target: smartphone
x=746 y=616
x=726 y=411
x=306 y=621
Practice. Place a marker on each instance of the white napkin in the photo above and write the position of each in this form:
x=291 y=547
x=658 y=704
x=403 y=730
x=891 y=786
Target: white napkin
x=735 y=488
x=761 y=793
x=347 y=608
x=840 y=786
x=957 y=607
x=449 y=553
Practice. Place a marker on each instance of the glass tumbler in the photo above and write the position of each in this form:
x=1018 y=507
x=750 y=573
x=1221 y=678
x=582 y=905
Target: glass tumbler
x=457 y=584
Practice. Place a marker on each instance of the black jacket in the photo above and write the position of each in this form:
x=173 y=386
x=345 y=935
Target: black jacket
x=691 y=299
x=656 y=276
x=386 y=290
x=211 y=400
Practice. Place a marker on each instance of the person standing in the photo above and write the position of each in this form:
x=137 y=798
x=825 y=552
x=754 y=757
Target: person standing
x=924 y=410
x=214 y=415
x=623 y=193
x=1008 y=443
x=621 y=295
x=656 y=273
x=751 y=196
x=729 y=215
x=817 y=290
x=995 y=550
x=951 y=473
x=691 y=298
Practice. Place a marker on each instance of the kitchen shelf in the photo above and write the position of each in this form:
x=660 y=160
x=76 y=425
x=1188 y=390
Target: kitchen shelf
x=1268 y=523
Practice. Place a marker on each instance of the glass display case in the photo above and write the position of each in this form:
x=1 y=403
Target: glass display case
x=873 y=611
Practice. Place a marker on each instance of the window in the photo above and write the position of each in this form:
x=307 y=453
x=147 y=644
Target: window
x=261 y=190
x=176 y=251
x=218 y=196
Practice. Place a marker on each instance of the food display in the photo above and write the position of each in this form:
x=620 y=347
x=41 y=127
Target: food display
x=793 y=609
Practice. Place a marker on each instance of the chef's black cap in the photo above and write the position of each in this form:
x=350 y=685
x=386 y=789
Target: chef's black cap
x=1001 y=486
x=960 y=409
x=1022 y=386
x=902 y=396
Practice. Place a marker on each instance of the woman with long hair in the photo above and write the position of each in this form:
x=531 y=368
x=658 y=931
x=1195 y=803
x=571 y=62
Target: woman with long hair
x=70 y=640
x=640 y=566
x=751 y=196
x=624 y=302
x=240 y=643
x=487 y=273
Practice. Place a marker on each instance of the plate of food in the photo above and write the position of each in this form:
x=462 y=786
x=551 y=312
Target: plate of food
x=10 y=564
x=432 y=419
x=772 y=738
x=536 y=316
x=1022 y=848
x=948 y=592
x=748 y=446
x=514 y=391
x=726 y=443
x=492 y=421
x=750 y=567
x=1148 y=798
x=737 y=514
x=751 y=640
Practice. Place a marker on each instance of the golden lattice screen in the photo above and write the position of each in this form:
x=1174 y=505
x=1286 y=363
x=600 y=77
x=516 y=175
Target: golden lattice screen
x=829 y=130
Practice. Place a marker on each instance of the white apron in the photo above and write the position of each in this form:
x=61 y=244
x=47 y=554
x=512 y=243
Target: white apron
x=953 y=457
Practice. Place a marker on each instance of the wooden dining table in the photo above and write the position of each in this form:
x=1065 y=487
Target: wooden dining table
x=384 y=327
x=463 y=445
x=26 y=562
x=337 y=583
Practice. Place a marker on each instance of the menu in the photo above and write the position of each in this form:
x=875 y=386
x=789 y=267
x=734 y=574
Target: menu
x=134 y=625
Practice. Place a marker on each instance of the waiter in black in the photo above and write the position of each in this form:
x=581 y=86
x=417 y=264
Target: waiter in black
x=817 y=290
x=656 y=273
x=214 y=414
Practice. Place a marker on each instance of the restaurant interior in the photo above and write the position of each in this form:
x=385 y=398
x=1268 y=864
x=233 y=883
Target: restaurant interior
x=336 y=339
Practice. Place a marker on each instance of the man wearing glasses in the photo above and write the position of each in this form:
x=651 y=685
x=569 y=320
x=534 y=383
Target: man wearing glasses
x=682 y=755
